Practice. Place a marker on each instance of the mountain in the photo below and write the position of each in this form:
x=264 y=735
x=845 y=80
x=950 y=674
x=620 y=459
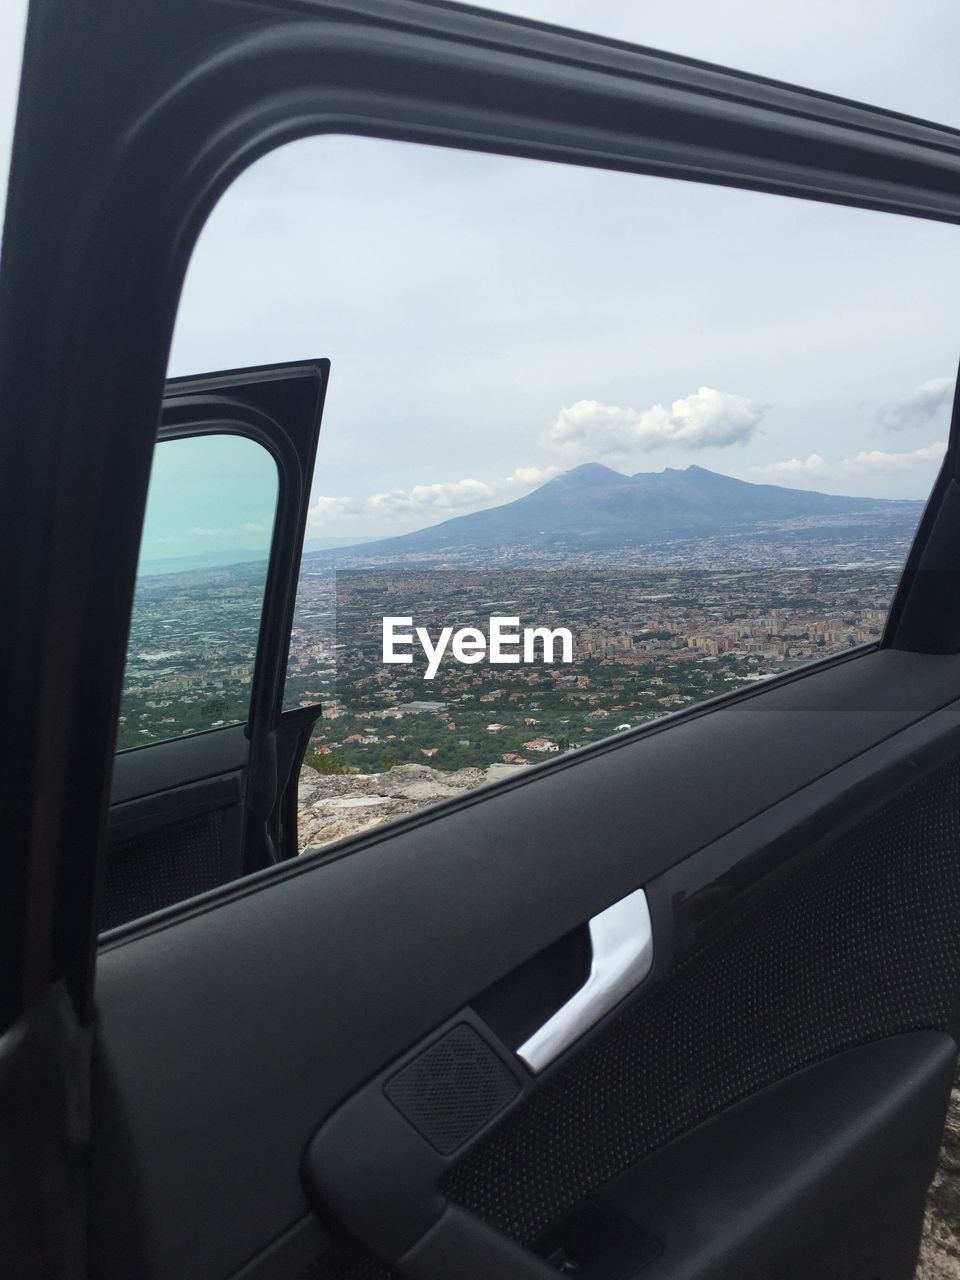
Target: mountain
x=328 y=544
x=201 y=560
x=594 y=507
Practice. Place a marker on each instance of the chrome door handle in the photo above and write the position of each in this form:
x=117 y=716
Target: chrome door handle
x=621 y=939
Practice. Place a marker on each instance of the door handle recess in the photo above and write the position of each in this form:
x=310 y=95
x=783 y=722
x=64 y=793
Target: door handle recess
x=621 y=941
x=377 y=1163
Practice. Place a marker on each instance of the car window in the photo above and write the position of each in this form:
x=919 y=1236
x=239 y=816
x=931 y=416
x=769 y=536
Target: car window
x=200 y=588
x=597 y=447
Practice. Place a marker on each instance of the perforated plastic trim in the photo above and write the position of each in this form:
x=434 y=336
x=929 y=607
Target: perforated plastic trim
x=863 y=943
x=152 y=871
x=453 y=1089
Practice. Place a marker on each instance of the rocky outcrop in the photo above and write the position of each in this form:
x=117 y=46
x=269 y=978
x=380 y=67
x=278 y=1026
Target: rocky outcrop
x=333 y=806
x=940 y=1250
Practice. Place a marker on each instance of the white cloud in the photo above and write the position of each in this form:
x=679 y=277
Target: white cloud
x=209 y=532
x=877 y=462
x=917 y=409
x=423 y=503
x=792 y=471
x=814 y=469
x=589 y=430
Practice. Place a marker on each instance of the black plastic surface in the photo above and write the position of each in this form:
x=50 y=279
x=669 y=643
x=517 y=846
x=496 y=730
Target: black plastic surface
x=202 y=1017
x=823 y=1175
x=715 y=886
x=147 y=771
x=293 y=739
x=453 y=1089
x=519 y=1004
x=376 y=1164
x=174 y=806
x=859 y=945
x=173 y=836
x=150 y=871
x=599 y=1242
x=294 y=1254
x=927 y=613
x=460 y=1246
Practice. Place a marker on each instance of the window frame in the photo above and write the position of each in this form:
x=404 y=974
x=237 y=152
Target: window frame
x=180 y=107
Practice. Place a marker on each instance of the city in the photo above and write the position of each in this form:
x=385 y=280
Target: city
x=647 y=642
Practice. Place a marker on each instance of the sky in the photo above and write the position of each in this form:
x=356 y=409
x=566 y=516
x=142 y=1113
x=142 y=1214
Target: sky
x=210 y=496
x=492 y=322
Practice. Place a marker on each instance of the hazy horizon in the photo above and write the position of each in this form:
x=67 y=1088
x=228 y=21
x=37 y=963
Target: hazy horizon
x=157 y=565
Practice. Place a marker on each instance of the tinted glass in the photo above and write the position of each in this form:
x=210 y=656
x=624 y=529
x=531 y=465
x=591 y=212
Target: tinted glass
x=685 y=431
x=200 y=587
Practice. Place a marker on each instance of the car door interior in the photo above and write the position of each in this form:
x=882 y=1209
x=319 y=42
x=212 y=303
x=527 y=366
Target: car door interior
x=799 y=1012
x=192 y=813
x=681 y=1004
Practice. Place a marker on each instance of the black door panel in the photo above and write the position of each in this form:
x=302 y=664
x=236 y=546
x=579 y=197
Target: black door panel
x=176 y=822
x=819 y=1175
x=195 y=812
x=692 y=1045
x=191 y=853
x=860 y=945
x=178 y=817
x=293 y=739
x=167 y=766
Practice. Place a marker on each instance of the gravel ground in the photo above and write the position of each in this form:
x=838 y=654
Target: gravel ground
x=940 y=1250
x=332 y=807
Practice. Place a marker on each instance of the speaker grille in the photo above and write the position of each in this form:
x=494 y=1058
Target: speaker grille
x=453 y=1089
x=145 y=873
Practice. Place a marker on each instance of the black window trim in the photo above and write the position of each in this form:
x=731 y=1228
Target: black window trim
x=184 y=420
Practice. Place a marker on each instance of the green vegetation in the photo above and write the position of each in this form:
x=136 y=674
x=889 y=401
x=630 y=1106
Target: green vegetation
x=646 y=644
x=327 y=762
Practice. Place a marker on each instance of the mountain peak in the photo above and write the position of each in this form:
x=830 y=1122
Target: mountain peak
x=593 y=507
x=591 y=473
x=697 y=478
x=691 y=472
